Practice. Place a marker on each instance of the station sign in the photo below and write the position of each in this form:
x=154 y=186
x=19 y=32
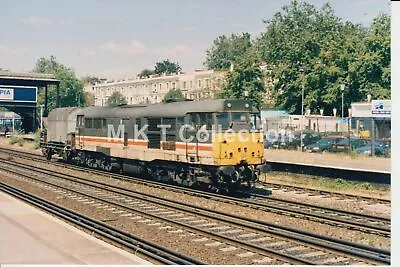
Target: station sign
x=6 y=93
x=381 y=108
x=18 y=94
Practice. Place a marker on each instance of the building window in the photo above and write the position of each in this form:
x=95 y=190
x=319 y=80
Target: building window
x=190 y=84
x=167 y=86
x=173 y=85
x=199 y=84
x=184 y=85
x=207 y=83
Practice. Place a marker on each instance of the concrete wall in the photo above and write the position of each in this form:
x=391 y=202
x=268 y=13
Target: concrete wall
x=313 y=122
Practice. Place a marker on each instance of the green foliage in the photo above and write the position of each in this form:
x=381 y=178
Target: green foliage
x=36 y=139
x=167 y=67
x=71 y=88
x=353 y=154
x=245 y=77
x=173 y=94
x=90 y=80
x=367 y=186
x=21 y=142
x=227 y=50
x=16 y=139
x=89 y=99
x=146 y=73
x=116 y=99
x=330 y=51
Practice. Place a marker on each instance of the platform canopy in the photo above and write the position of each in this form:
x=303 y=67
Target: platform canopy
x=18 y=93
x=19 y=80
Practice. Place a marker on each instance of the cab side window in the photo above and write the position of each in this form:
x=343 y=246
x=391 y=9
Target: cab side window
x=80 y=121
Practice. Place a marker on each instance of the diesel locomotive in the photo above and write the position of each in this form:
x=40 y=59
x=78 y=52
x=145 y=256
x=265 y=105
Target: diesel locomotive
x=214 y=142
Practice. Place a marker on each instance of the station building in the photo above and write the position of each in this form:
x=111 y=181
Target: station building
x=10 y=122
x=372 y=119
x=19 y=91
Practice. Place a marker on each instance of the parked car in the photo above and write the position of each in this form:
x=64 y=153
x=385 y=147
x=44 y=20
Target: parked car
x=382 y=148
x=282 y=141
x=346 y=145
x=309 y=137
x=291 y=140
x=322 y=145
x=267 y=143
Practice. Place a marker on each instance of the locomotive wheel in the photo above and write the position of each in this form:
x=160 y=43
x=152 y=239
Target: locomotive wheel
x=47 y=154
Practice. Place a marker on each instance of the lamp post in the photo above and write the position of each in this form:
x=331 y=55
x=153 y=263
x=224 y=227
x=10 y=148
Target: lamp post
x=342 y=87
x=302 y=70
x=41 y=118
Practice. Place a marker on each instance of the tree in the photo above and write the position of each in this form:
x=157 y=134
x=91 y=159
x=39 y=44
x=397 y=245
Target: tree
x=330 y=52
x=371 y=69
x=146 y=73
x=167 y=67
x=227 y=50
x=173 y=94
x=90 y=99
x=116 y=99
x=71 y=88
x=246 y=80
x=90 y=80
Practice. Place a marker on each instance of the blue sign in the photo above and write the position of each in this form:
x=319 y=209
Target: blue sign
x=18 y=94
x=381 y=108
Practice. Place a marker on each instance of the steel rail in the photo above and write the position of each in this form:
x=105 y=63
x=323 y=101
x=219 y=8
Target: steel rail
x=149 y=249
x=350 y=248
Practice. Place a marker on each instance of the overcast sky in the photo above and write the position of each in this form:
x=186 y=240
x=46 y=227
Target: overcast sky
x=119 y=38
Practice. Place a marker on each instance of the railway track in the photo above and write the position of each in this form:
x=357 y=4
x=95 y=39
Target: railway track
x=346 y=219
x=150 y=250
x=259 y=242
x=262 y=185
x=314 y=191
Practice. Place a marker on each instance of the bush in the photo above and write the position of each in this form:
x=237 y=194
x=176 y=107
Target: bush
x=353 y=154
x=36 y=140
x=367 y=186
x=21 y=141
x=14 y=139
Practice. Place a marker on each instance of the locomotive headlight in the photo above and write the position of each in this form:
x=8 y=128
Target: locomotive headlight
x=229 y=105
x=247 y=105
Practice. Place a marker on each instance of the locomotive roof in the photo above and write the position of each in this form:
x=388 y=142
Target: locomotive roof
x=172 y=109
x=176 y=109
x=62 y=113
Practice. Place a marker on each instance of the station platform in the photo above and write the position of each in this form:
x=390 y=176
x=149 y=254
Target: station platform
x=31 y=236
x=329 y=160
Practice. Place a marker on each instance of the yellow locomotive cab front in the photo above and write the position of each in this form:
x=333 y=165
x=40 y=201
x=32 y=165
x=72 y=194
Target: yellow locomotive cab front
x=232 y=148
